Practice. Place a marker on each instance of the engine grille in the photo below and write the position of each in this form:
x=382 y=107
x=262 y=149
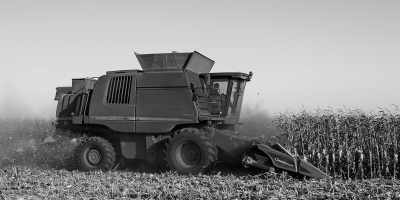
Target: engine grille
x=119 y=90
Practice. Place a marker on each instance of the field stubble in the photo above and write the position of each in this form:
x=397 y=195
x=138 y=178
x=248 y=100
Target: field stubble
x=34 y=183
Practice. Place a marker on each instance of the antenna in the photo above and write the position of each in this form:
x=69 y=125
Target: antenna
x=232 y=65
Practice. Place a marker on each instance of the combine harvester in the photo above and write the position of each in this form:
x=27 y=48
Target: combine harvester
x=174 y=112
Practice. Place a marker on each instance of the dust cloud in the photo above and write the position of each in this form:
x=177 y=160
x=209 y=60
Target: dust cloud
x=10 y=104
x=23 y=143
x=24 y=124
x=257 y=121
x=27 y=102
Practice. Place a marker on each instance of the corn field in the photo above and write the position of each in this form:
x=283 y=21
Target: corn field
x=345 y=143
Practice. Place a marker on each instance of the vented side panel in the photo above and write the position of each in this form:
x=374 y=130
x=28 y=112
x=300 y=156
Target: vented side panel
x=119 y=90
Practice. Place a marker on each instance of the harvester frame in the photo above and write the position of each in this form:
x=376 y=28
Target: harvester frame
x=173 y=112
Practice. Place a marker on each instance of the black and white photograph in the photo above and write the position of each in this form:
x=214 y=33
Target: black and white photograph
x=174 y=99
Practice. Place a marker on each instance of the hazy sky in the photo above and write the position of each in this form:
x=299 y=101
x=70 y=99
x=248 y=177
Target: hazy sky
x=311 y=53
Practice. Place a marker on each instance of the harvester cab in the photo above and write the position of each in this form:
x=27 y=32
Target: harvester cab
x=173 y=112
x=226 y=96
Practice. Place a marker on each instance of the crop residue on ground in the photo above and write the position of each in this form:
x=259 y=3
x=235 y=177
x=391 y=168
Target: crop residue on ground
x=37 y=183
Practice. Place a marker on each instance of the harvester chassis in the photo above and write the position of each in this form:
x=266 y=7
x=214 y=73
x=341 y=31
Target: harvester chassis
x=173 y=109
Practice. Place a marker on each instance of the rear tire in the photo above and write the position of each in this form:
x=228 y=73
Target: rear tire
x=96 y=154
x=191 y=151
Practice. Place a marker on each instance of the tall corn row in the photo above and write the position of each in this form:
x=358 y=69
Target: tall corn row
x=345 y=143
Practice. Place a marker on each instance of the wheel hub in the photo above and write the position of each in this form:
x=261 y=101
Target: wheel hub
x=188 y=154
x=93 y=156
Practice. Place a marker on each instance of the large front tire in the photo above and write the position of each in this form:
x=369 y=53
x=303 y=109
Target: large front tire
x=191 y=151
x=96 y=154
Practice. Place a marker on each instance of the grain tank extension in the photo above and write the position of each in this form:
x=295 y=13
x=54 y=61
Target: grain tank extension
x=173 y=113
